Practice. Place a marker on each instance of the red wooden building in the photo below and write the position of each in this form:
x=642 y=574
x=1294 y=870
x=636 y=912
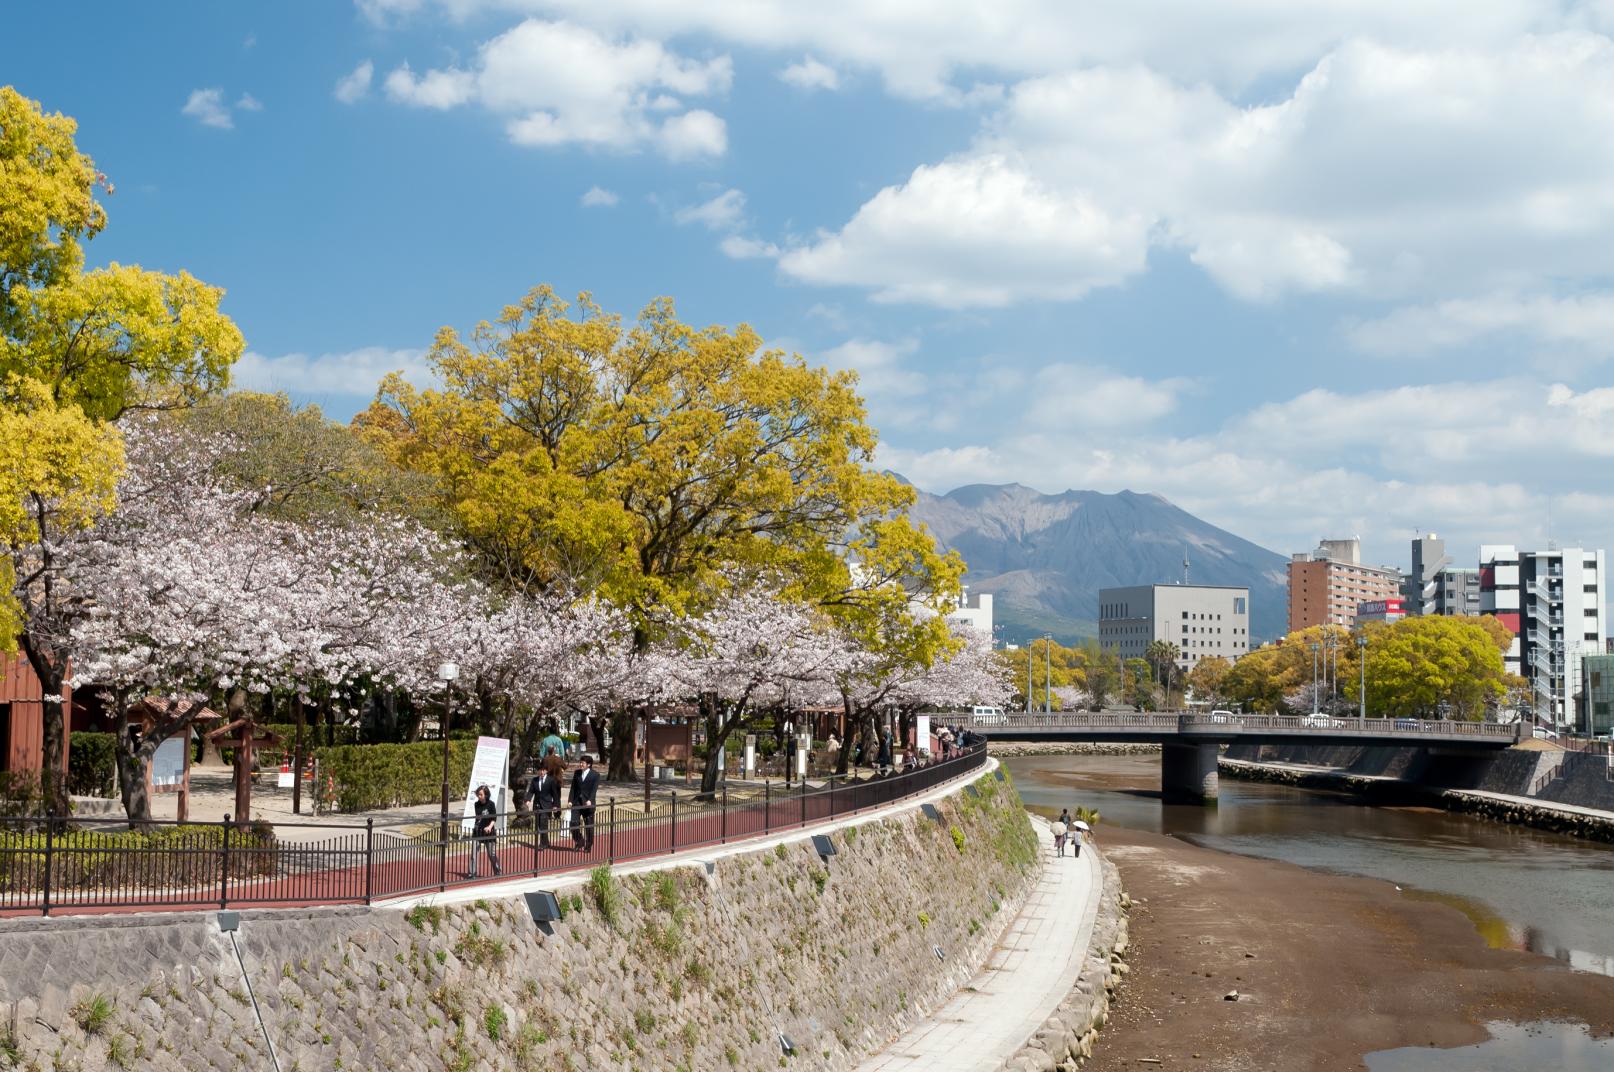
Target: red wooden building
x=22 y=716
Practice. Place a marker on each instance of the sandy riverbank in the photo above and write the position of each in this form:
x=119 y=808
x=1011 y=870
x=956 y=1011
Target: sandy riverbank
x=1327 y=967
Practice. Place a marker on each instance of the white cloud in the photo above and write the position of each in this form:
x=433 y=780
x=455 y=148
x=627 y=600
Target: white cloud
x=1387 y=171
x=596 y=197
x=975 y=232
x=693 y=135
x=925 y=48
x=207 y=107
x=1063 y=394
x=249 y=103
x=440 y=90
x=353 y=374
x=810 y=74
x=562 y=84
x=741 y=248
x=881 y=366
x=725 y=212
x=355 y=85
x=1583 y=322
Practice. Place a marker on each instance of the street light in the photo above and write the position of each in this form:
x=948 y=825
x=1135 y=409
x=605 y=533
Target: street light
x=446 y=673
x=1048 y=674
x=1361 y=657
x=1314 y=677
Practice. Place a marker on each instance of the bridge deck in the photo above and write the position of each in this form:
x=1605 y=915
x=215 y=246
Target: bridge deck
x=1162 y=728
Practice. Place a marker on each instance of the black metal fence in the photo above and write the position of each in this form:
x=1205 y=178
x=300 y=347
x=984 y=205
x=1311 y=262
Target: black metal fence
x=102 y=864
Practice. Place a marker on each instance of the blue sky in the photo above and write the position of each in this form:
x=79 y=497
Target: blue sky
x=1307 y=272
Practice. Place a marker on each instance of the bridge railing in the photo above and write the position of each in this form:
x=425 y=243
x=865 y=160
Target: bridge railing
x=1204 y=723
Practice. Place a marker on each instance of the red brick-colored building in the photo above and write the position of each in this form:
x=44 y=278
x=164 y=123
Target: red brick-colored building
x=22 y=716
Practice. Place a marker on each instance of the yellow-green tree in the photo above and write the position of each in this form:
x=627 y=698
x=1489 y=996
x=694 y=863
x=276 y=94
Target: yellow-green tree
x=77 y=349
x=1207 y=678
x=640 y=460
x=1434 y=666
x=1081 y=667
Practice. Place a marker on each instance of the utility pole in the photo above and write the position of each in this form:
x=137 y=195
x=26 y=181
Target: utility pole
x=1314 y=677
x=1048 y=673
x=1361 y=657
x=1031 y=651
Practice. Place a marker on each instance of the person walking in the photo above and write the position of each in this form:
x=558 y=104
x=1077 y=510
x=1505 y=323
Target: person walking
x=1062 y=829
x=882 y=760
x=585 y=786
x=552 y=744
x=484 y=828
x=544 y=792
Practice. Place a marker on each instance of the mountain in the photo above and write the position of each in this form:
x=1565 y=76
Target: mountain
x=1044 y=557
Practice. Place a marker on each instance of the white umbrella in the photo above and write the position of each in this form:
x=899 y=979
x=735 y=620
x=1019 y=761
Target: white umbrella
x=1078 y=824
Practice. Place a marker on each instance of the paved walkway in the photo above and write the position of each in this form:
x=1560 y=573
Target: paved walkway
x=1034 y=966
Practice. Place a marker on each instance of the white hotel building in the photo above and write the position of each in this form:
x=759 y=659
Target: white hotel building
x=1553 y=601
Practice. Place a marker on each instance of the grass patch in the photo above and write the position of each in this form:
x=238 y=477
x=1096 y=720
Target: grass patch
x=607 y=894
x=958 y=839
x=493 y=1022
x=421 y=916
x=93 y=1014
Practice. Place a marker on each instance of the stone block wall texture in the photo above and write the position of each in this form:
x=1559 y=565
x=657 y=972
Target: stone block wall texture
x=671 y=970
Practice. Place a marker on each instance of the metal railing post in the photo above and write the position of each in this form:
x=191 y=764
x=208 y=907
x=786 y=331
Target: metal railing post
x=723 y=828
x=610 y=834
x=767 y=806
x=673 y=826
x=831 y=814
x=369 y=856
x=804 y=802
x=224 y=871
x=50 y=827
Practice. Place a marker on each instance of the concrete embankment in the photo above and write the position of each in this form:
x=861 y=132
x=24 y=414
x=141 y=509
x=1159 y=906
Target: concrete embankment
x=1009 y=749
x=1562 y=817
x=701 y=964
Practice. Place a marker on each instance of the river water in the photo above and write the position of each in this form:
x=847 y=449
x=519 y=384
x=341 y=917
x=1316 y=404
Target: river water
x=1522 y=888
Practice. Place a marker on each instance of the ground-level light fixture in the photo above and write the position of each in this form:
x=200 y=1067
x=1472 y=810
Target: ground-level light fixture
x=930 y=812
x=544 y=907
x=786 y=1045
x=229 y=921
x=824 y=847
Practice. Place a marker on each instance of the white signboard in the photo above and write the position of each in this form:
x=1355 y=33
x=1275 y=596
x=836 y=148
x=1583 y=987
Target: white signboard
x=168 y=764
x=921 y=733
x=804 y=744
x=750 y=755
x=491 y=768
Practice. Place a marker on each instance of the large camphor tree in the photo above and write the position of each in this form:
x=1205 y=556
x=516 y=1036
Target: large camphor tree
x=641 y=460
x=78 y=350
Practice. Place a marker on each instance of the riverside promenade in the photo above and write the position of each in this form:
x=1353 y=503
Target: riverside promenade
x=1035 y=964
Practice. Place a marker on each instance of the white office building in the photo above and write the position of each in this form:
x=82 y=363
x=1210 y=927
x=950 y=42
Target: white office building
x=1202 y=620
x=1553 y=601
x=973 y=613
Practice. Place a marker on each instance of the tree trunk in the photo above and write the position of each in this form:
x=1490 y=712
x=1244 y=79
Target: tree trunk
x=847 y=726
x=237 y=709
x=718 y=728
x=53 y=713
x=619 y=764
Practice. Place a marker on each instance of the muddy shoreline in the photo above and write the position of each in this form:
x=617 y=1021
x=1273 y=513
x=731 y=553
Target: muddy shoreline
x=1327 y=967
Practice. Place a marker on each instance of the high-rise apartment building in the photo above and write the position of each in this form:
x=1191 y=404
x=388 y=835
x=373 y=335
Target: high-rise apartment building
x=1327 y=585
x=1435 y=586
x=1553 y=601
x=1202 y=620
x=1596 y=699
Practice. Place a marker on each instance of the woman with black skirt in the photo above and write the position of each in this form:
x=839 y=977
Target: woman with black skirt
x=484 y=828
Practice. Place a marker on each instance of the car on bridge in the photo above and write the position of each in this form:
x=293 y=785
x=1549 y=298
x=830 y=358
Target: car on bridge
x=1322 y=721
x=983 y=715
x=1408 y=724
x=1223 y=716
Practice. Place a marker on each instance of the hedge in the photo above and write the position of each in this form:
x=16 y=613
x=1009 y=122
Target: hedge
x=364 y=777
x=92 y=765
x=175 y=857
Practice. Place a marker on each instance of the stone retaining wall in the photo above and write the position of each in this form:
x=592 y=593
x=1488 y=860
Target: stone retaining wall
x=1392 y=791
x=1066 y=1040
x=686 y=969
x=1008 y=749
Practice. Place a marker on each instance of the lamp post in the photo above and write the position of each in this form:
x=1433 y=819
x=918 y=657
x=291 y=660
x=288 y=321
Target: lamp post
x=1048 y=674
x=446 y=673
x=1314 y=676
x=1361 y=658
x=1031 y=651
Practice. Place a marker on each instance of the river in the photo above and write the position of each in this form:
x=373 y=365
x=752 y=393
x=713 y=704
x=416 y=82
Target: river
x=1522 y=889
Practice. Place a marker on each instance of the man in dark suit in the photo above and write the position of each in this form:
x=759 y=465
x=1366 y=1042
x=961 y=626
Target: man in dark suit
x=544 y=792
x=585 y=784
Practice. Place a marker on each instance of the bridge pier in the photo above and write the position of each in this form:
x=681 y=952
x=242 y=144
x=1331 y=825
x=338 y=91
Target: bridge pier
x=1188 y=772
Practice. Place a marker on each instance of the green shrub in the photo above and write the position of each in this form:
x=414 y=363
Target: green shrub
x=364 y=777
x=184 y=856
x=958 y=838
x=493 y=1022
x=92 y=764
x=93 y=1014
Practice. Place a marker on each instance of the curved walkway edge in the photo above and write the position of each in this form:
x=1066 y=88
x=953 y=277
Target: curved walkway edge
x=1013 y=1014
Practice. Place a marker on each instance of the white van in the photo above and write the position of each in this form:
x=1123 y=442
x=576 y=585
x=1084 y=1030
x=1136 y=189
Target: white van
x=983 y=715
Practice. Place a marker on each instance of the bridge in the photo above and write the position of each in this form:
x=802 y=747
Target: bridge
x=1190 y=741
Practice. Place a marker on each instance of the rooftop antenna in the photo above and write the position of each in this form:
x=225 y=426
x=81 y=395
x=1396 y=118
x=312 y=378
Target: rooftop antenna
x=1185 y=565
